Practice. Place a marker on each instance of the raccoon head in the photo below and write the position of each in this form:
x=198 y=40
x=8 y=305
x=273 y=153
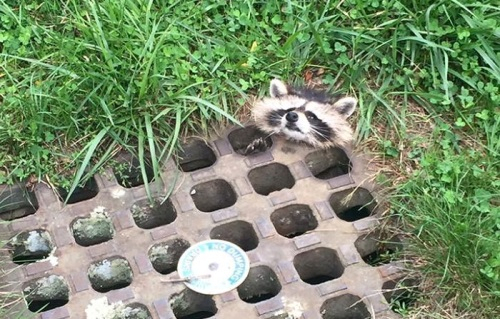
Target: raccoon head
x=306 y=115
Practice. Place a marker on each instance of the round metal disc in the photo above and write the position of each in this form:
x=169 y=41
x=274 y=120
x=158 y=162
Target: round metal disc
x=213 y=267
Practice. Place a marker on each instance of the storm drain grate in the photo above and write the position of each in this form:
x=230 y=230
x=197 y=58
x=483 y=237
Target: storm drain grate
x=239 y=232
x=195 y=155
x=93 y=229
x=164 y=256
x=249 y=140
x=293 y=220
x=192 y=305
x=261 y=284
x=375 y=250
x=345 y=306
x=16 y=202
x=46 y=293
x=329 y=163
x=303 y=216
x=81 y=193
x=318 y=265
x=110 y=274
x=149 y=214
x=213 y=195
x=30 y=246
x=353 y=204
x=128 y=172
x=135 y=311
x=271 y=178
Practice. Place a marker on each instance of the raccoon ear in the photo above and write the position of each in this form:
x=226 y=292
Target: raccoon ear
x=345 y=106
x=278 y=88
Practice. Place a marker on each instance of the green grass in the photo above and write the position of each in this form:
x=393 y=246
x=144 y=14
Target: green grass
x=9 y=299
x=80 y=80
x=451 y=207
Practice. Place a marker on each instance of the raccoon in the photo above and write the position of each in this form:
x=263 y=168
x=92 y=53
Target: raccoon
x=304 y=114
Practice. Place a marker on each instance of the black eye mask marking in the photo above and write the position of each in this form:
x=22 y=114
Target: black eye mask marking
x=274 y=117
x=320 y=129
x=311 y=116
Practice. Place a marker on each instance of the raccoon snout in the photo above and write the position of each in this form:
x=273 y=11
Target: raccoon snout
x=292 y=117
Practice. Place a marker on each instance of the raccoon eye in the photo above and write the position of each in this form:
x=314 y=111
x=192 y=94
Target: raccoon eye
x=311 y=116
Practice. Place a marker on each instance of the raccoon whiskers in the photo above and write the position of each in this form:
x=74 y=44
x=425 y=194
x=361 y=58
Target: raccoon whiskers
x=317 y=132
x=275 y=117
x=270 y=134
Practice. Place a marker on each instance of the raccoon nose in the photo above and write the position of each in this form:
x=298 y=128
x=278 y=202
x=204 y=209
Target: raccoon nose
x=292 y=117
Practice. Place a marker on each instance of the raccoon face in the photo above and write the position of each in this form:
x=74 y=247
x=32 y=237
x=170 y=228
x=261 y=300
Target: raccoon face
x=305 y=115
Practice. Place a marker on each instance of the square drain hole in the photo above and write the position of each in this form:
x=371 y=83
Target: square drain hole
x=318 y=265
x=30 y=246
x=400 y=293
x=191 y=305
x=344 y=306
x=293 y=220
x=164 y=256
x=195 y=155
x=239 y=232
x=16 y=202
x=87 y=191
x=270 y=178
x=147 y=214
x=110 y=274
x=261 y=284
x=249 y=140
x=213 y=195
x=128 y=171
x=93 y=229
x=47 y=293
x=352 y=204
x=328 y=163
x=134 y=310
x=375 y=250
